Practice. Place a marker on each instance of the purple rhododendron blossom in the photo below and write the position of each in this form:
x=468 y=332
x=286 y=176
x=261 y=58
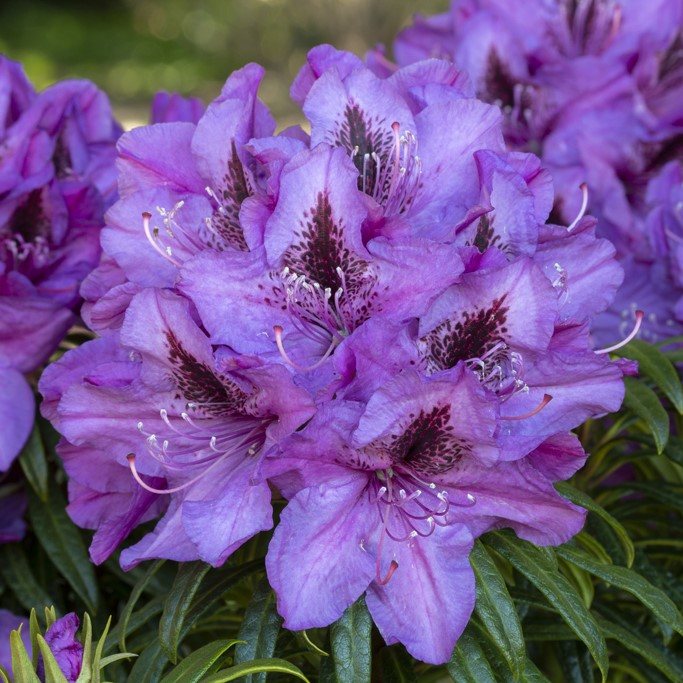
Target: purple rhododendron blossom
x=595 y=87
x=57 y=177
x=376 y=319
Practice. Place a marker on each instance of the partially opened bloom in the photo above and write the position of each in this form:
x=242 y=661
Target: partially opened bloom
x=596 y=88
x=57 y=177
x=65 y=647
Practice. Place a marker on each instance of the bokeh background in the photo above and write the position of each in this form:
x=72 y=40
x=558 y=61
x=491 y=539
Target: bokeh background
x=132 y=48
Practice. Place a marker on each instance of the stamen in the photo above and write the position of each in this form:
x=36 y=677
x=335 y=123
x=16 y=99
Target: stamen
x=393 y=566
x=153 y=238
x=584 y=205
x=639 y=321
x=544 y=402
x=302 y=368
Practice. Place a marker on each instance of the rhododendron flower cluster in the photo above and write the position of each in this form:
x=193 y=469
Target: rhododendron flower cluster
x=374 y=320
x=57 y=177
x=595 y=87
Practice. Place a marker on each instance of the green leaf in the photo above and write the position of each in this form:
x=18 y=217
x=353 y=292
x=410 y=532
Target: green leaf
x=469 y=663
x=657 y=367
x=186 y=602
x=186 y=584
x=350 y=641
x=34 y=464
x=64 y=545
x=526 y=559
x=214 y=586
x=135 y=594
x=193 y=668
x=15 y=569
x=642 y=401
x=314 y=648
x=587 y=503
x=97 y=657
x=138 y=619
x=53 y=674
x=575 y=662
x=22 y=666
x=656 y=655
x=259 y=630
x=630 y=581
x=149 y=665
x=85 y=674
x=396 y=665
x=258 y=665
x=496 y=610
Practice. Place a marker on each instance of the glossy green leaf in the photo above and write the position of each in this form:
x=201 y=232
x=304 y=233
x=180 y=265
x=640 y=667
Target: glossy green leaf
x=643 y=401
x=196 y=665
x=587 y=503
x=628 y=580
x=34 y=463
x=469 y=663
x=64 y=545
x=350 y=641
x=496 y=610
x=135 y=594
x=186 y=584
x=149 y=665
x=558 y=591
x=16 y=570
x=658 y=656
x=656 y=366
x=259 y=630
x=281 y=666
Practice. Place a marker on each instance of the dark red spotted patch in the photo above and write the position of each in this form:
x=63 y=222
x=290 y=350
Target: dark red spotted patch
x=197 y=383
x=29 y=219
x=428 y=445
x=234 y=191
x=475 y=333
x=320 y=249
x=499 y=85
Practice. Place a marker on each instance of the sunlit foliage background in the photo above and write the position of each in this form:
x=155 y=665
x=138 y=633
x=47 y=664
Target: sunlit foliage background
x=132 y=48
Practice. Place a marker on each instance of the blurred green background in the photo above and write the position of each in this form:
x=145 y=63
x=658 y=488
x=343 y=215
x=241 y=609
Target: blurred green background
x=132 y=48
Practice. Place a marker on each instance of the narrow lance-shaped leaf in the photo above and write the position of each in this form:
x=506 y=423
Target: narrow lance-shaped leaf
x=256 y=666
x=135 y=594
x=64 y=545
x=15 y=569
x=34 y=464
x=259 y=630
x=557 y=590
x=469 y=663
x=585 y=501
x=641 y=400
x=185 y=585
x=197 y=664
x=628 y=580
x=496 y=610
x=350 y=641
x=656 y=366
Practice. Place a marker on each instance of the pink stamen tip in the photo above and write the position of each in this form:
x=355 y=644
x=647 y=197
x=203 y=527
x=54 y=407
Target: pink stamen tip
x=302 y=368
x=584 y=205
x=393 y=566
x=636 y=328
x=544 y=402
x=146 y=215
x=396 y=126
